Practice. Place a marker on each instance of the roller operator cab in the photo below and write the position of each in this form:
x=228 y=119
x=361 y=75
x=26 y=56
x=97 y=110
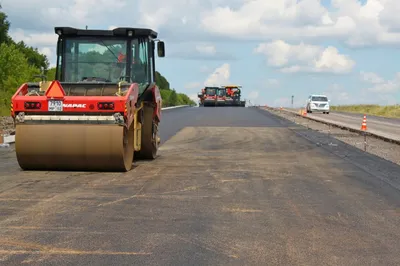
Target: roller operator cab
x=221 y=97
x=210 y=96
x=102 y=110
x=318 y=103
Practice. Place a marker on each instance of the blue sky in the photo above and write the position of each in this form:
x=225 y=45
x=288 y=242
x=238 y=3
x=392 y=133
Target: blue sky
x=346 y=49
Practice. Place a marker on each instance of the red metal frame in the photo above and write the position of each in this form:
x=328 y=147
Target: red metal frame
x=221 y=97
x=88 y=103
x=210 y=97
x=157 y=100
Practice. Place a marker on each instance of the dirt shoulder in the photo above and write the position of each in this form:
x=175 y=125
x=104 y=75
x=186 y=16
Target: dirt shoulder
x=6 y=125
x=386 y=150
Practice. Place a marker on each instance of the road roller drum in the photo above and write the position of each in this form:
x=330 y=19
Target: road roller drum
x=74 y=147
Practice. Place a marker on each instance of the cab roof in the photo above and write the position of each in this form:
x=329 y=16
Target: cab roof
x=68 y=31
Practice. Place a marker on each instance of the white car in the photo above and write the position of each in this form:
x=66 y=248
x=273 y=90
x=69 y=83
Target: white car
x=318 y=103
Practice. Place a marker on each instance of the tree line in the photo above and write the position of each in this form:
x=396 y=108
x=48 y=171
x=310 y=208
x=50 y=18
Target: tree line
x=19 y=63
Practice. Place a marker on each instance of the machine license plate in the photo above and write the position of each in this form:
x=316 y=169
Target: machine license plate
x=55 y=106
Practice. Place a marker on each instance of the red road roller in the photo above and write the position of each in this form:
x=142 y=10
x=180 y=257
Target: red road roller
x=101 y=111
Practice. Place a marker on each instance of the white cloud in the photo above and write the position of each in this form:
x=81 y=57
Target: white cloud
x=198 y=51
x=219 y=77
x=253 y=97
x=194 y=97
x=375 y=22
x=46 y=51
x=205 y=69
x=389 y=86
x=381 y=85
x=305 y=58
x=287 y=102
x=341 y=95
x=45 y=42
x=273 y=82
x=338 y=95
x=193 y=85
x=45 y=14
x=206 y=49
x=34 y=39
x=371 y=77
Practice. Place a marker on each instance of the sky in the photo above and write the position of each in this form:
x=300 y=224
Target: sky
x=275 y=49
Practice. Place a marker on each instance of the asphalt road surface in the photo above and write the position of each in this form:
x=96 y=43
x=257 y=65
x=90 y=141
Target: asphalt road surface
x=383 y=126
x=231 y=186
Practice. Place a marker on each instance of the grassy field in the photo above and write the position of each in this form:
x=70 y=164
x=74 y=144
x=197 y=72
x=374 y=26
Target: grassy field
x=4 y=111
x=378 y=110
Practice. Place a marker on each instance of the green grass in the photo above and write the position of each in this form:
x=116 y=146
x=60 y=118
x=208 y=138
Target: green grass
x=4 y=111
x=370 y=109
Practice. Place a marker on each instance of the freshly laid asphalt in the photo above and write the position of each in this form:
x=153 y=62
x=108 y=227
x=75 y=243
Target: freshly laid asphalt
x=231 y=186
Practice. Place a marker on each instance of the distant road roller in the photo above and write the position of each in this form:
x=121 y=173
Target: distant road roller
x=101 y=111
x=209 y=97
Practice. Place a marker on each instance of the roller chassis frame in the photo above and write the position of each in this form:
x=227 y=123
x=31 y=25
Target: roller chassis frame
x=125 y=106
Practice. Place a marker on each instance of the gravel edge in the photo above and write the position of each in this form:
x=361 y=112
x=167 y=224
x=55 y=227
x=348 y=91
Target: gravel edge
x=6 y=125
x=383 y=149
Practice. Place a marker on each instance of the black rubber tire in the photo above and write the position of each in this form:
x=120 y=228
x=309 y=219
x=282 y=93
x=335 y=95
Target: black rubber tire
x=149 y=145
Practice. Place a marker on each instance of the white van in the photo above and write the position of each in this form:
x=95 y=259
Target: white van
x=318 y=103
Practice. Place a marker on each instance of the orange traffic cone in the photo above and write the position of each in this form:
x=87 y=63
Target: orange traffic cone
x=364 y=124
x=305 y=112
